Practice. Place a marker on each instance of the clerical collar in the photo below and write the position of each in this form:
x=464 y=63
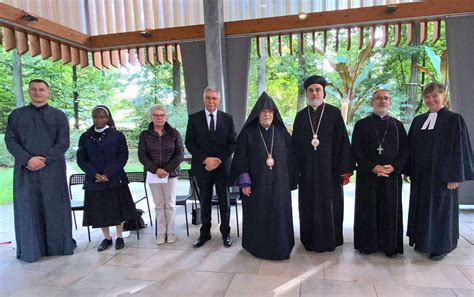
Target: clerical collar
x=430 y=121
x=384 y=117
x=100 y=130
x=39 y=107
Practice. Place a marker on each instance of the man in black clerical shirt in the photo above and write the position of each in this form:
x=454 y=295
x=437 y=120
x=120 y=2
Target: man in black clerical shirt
x=380 y=148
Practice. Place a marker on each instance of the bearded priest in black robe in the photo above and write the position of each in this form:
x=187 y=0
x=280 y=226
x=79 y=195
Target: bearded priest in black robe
x=262 y=168
x=440 y=158
x=380 y=148
x=324 y=162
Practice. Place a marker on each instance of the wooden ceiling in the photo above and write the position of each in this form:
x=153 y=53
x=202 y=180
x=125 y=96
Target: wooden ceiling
x=47 y=39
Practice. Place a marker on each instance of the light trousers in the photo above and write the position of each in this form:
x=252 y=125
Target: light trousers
x=164 y=197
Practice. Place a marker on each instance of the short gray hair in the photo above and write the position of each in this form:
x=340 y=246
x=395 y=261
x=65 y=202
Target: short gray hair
x=155 y=107
x=211 y=89
x=380 y=90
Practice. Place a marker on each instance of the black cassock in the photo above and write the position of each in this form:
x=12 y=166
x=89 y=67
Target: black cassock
x=42 y=207
x=321 y=198
x=267 y=214
x=378 y=223
x=437 y=156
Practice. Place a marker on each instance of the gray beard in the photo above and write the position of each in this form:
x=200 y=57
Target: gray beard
x=315 y=103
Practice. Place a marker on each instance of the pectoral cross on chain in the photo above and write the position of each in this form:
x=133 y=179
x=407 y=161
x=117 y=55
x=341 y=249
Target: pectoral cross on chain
x=380 y=149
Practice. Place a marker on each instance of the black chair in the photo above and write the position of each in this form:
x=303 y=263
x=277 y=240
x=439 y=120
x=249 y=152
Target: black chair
x=77 y=205
x=139 y=177
x=234 y=196
x=182 y=199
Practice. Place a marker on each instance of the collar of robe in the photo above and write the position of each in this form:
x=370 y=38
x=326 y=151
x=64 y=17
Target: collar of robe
x=431 y=120
x=100 y=130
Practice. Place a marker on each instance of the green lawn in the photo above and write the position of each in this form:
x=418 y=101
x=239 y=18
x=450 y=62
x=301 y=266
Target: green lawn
x=6 y=185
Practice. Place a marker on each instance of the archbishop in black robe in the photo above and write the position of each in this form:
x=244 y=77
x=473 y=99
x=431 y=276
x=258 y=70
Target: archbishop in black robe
x=378 y=223
x=321 y=198
x=267 y=214
x=42 y=208
x=438 y=155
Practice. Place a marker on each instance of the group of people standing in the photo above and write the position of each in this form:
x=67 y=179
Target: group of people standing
x=267 y=164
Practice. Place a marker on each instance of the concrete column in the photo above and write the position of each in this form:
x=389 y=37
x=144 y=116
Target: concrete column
x=215 y=47
x=460 y=43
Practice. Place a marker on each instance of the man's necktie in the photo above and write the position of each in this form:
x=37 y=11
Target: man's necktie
x=212 y=127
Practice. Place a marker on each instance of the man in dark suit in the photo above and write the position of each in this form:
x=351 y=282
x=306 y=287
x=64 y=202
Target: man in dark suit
x=211 y=139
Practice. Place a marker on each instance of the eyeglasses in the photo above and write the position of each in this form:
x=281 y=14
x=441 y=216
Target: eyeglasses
x=382 y=98
x=159 y=115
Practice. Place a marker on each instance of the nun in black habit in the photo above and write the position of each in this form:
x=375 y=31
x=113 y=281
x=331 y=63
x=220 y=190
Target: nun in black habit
x=440 y=158
x=262 y=168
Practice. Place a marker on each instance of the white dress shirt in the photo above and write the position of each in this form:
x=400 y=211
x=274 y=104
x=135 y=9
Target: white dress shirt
x=208 y=118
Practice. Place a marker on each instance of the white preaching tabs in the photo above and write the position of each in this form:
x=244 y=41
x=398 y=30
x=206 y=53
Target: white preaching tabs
x=430 y=121
x=154 y=179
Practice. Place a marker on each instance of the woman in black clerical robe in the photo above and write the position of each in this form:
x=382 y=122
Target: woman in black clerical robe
x=440 y=158
x=262 y=166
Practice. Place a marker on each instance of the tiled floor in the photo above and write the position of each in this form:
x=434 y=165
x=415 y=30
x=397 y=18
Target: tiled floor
x=145 y=269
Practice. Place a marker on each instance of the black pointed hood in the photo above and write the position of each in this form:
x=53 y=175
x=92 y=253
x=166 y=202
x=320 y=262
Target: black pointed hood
x=264 y=102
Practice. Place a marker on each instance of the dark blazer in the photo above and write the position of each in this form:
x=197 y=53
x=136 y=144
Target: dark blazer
x=105 y=155
x=202 y=143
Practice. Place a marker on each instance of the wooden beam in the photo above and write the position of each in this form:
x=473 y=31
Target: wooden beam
x=374 y=15
x=12 y=17
x=21 y=42
x=158 y=36
x=141 y=56
x=280 y=45
x=34 y=45
x=75 y=60
x=423 y=32
x=259 y=48
x=150 y=55
x=337 y=40
x=114 y=58
x=65 y=54
x=290 y=38
x=106 y=61
x=169 y=54
x=55 y=51
x=269 y=46
x=123 y=57
x=97 y=60
x=385 y=35
x=45 y=47
x=349 y=38
x=9 y=42
x=84 y=58
x=436 y=30
x=398 y=34
x=177 y=49
x=159 y=55
x=361 y=37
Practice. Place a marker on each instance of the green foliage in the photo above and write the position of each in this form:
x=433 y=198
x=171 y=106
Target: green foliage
x=6 y=185
x=6 y=159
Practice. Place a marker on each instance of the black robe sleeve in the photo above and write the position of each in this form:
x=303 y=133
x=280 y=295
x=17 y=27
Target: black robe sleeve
x=402 y=157
x=459 y=165
x=61 y=142
x=13 y=142
x=363 y=163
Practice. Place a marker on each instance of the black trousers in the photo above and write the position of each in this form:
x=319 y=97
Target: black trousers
x=205 y=185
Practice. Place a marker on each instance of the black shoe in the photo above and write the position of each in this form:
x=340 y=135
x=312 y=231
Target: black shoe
x=389 y=255
x=201 y=241
x=227 y=241
x=119 y=244
x=104 y=245
x=364 y=252
x=437 y=256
